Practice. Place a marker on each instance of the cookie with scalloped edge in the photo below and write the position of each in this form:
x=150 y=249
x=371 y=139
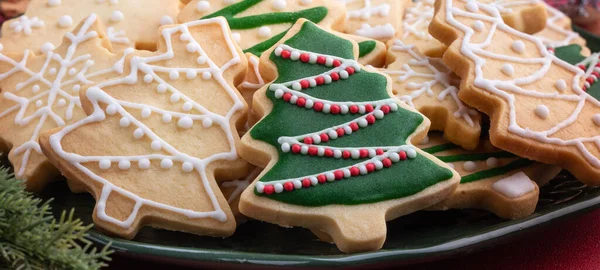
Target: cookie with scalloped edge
x=427 y=85
x=491 y=179
x=335 y=144
x=526 y=16
x=41 y=92
x=539 y=106
x=156 y=140
x=45 y=22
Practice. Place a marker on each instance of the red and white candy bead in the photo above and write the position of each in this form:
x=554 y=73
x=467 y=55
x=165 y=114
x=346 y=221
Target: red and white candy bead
x=363 y=168
x=592 y=78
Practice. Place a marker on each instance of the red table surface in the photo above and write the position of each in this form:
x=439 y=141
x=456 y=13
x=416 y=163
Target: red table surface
x=571 y=243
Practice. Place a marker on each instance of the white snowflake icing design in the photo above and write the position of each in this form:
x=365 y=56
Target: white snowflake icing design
x=434 y=75
x=116 y=36
x=48 y=94
x=368 y=10
x=25 y=24
x=146 y=70
x=417 y=18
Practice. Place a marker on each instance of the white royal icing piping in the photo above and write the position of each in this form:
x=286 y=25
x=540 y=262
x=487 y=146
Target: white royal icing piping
x=368 y=10
x=376 y=32
x=416 y=20
x=554 y=16
x=476 y=51
x=435 y=77
x=26 y=25
x=514 y=186
x=144 y=65
x=253 y=61
x=240 y=185
x=55 y=87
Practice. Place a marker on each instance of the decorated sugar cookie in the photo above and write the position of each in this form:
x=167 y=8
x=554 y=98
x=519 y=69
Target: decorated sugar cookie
x=538 y=104
x=558 y=31
x=427 y=85
x=492 y=179
x=335 y=144
x=41 y=92
x=376 y=19
x=129 y=23
x=155 y=139
x=527 y=16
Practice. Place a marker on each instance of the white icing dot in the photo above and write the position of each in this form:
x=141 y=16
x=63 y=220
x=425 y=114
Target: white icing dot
x=187 y=106
x=187 y=167
x=124 y=164
x=156 y=145
x=411 y=153
x=138 y=133
x=191 y=74
x=264 y=32
x=146 y=112
x=124 y=122
x=144 y=164
x=201 y=60
x=508 y=69
x=278 y=188
x=469 y=166
x=116 y=16
x=596 y=119
x=185 y=122
x=561 y=85
x=167 y=118
x=207 y=122
x=206 y=75
x=184 y=37
x=166 y=20
x=104 y=164
x=76 y=88
x=53 y=3
x=471 y=6
x=65 y=21
x=148 y=78
x=35 y=88
x=61 y=102
x=492 y=162
x=191 y=47
x=478 y=26
x=202 y=6
x=542 y=111
x=52 y=71
x=518 y=46
x=72 y=71
x=173 y=75
x=46 y=47
x=111 y=109
x=285 y=147
x=161 y=88
x=278 y=4
x=236 y=37
x=166 y=163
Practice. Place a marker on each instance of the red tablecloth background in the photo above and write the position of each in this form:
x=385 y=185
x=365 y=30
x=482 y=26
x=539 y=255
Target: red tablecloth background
x=572 y=243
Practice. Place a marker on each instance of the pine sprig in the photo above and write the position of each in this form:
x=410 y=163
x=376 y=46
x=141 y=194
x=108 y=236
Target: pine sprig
x=31 y=238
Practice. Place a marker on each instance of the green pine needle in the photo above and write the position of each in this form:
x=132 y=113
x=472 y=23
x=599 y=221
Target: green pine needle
x=31 y=238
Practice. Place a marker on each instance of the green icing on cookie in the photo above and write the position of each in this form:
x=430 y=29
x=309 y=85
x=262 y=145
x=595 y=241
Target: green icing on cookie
x=481 y=175
x=316 y=15
x=366 y=47
x=402 y=179
x=570 y=54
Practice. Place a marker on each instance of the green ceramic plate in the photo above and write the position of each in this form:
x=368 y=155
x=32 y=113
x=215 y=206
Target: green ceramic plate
x=413 y=238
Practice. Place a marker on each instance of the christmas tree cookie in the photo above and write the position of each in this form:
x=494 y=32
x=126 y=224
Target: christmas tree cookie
x=41 y=92
x=376 y=19
x=538 y=105
x=427 y=85
x=558 y=31
x=492 y=179
x=156 y=138
x=527 y=16
x=130 y=23
x=335 y=144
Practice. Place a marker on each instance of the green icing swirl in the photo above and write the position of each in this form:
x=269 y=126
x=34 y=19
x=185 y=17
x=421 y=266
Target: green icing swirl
x=403 y=179
x=366 y=47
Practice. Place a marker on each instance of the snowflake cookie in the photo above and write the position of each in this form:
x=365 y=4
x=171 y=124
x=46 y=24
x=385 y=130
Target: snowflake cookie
x=335 y=144
x=491 y=179
x=41 y=92
x=156 y=138
x=540 y=106
x=130 y=23
x=427 y=85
